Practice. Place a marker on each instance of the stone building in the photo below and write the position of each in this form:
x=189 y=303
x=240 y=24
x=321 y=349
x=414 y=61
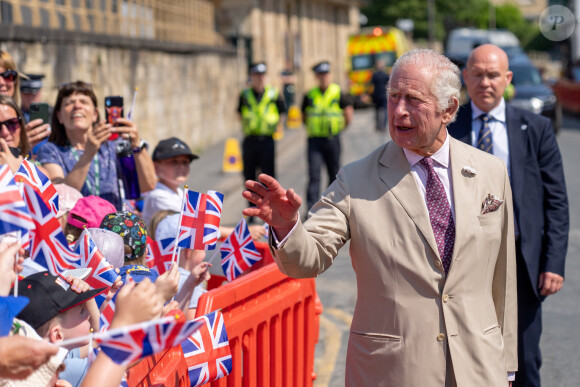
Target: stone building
x=291 y=34
x=188 y=58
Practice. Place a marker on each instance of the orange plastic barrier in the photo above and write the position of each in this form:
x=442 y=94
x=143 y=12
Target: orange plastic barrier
x=272 y=323
x=164 y=369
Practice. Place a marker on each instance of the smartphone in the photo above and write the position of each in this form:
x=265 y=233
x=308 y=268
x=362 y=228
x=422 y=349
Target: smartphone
x=40 y=110
x=113 y=111
x=15 y=151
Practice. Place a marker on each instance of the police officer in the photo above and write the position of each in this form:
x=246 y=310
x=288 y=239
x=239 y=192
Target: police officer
x=260 y=107
x=31 y=92
x=326 y=111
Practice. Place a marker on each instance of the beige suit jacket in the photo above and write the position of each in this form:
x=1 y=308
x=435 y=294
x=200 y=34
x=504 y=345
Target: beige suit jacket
x=409 y=316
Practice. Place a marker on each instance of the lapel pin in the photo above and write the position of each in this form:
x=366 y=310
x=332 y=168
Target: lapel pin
x=524 y=127
x=469 y=170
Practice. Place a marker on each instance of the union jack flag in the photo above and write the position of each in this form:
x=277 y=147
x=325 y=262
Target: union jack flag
x=160 y=254
x=48 y=246
x=200 y=220
x=14 y=214
x=213 y=214
x=103 y=273
x=29 y=174
x=131 y=343
x=207 y=352
x=238 y=252
x=107 y=315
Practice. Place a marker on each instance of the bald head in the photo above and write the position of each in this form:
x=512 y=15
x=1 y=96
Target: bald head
x=486 y=76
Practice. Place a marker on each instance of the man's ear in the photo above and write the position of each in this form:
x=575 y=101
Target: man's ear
x=55 y=334
x=449 y=113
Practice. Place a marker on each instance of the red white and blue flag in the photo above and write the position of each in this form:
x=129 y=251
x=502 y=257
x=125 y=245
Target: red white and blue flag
x=103 y=273
x=14 y=214
x=200 y=220
x=48 y=246
x=207 y=352
x=107 y=315
x=160 y=254
x=29 y=174
x=131 y=343
x=238 y=252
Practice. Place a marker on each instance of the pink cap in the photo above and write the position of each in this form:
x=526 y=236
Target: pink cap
x=93 y=209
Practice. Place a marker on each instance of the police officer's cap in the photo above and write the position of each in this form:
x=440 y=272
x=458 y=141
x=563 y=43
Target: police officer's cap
x=31 y=85
x=258 y=68
x=322 y=67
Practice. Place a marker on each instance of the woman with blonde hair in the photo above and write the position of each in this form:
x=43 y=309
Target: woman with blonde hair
x=9 y=77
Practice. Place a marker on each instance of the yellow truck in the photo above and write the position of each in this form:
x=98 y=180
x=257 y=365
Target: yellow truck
x=364 y=49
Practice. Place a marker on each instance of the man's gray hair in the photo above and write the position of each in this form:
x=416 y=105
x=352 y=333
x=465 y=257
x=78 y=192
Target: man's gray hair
x=446 y=82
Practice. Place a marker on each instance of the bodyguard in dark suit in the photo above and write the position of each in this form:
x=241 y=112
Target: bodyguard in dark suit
x=527 y=144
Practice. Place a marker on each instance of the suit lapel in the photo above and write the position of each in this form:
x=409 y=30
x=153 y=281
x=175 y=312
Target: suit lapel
x=463 y=191
x=517 y=129
x=397 y=176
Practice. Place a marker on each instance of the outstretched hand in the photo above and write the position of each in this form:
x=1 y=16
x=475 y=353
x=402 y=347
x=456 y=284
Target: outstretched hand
x=275 y=205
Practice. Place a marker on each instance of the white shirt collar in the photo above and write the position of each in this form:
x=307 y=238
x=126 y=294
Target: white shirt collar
x=441 y=156
x=498 y=112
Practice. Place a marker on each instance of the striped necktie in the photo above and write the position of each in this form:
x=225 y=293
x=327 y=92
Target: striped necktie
x=484 y=139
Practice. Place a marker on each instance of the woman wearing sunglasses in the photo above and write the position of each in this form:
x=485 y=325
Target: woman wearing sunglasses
x=10 y=86
x=9 y=80
x=79 y=153
x=13 y=140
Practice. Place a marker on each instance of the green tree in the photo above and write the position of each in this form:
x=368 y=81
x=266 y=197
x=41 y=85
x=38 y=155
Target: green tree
x=449 y=15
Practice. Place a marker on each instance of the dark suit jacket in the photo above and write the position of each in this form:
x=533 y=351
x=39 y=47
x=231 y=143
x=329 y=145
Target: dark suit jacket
x=538 y=188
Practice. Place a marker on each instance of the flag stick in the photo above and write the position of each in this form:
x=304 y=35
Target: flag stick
x=179 y=224
x=18 y=236
x=112 y=332
x=131 y=112
x=215 y=254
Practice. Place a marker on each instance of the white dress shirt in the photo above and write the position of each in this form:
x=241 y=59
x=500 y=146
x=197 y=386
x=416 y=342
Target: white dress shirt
x=498 y=127
x=441 y=167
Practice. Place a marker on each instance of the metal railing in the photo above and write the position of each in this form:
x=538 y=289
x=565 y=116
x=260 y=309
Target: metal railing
x=182 y=21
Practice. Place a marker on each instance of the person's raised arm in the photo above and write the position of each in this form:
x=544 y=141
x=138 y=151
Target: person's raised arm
x=96 y=136
x=275 y=205
x=143 y=162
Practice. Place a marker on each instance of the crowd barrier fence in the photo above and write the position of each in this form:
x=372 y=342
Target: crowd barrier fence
x=272 y=323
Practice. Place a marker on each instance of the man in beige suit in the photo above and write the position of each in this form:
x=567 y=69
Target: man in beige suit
x=430 y=225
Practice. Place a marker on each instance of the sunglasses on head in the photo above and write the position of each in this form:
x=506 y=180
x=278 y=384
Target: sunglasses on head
x=12 y=124
x=9 y=75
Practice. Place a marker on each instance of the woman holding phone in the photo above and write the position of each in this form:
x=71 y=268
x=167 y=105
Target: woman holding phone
x=79 y=153
x=36 y=130
x=13 y=140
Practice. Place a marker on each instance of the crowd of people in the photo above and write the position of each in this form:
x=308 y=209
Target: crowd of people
x=78 y=151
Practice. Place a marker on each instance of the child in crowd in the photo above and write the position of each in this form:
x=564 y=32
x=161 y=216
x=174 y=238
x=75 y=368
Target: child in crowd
x=88 y=212
x=60 y=311
x=171 y=159
x=192 y=270
x=67 y=198
x=134 y=233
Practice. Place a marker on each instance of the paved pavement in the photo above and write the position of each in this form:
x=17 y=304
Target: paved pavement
x=337 y=287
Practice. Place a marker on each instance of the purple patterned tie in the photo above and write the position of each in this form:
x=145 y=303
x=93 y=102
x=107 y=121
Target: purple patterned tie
x=439 y=214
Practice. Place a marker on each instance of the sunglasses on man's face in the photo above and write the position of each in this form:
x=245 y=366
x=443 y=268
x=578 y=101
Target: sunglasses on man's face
x=13 y=124
x=9 y=75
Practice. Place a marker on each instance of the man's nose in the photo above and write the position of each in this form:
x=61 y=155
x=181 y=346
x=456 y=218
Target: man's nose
x=400 y=107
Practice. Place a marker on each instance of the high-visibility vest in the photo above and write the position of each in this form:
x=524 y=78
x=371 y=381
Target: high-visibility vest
x=324 y=118
x=260 y=119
